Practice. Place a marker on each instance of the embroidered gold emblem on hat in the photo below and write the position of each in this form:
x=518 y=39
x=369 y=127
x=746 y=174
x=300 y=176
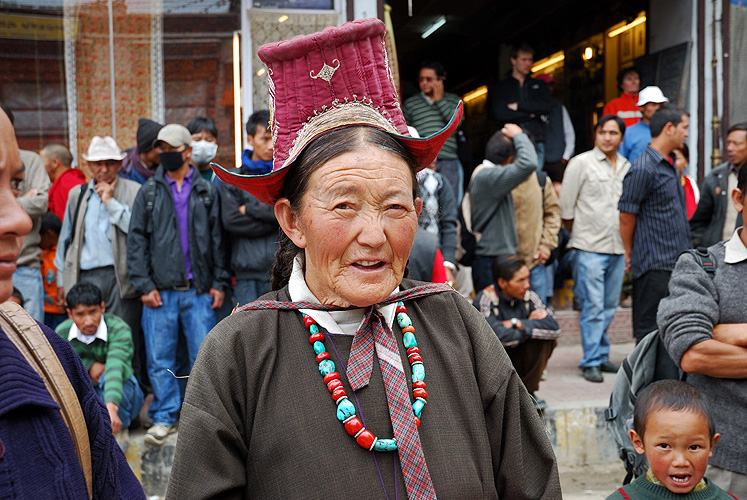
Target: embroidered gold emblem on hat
x=327 y=71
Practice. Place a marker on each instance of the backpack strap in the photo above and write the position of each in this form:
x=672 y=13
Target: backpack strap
x=30 y=341
x=704 y=258
x=74 y=222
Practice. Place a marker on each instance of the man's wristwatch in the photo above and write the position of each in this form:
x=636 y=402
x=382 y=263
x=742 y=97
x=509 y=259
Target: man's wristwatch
x=514 y=321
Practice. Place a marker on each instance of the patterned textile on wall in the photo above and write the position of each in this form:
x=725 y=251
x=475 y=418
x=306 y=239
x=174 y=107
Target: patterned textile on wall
x=92 y=83
x=265 y=28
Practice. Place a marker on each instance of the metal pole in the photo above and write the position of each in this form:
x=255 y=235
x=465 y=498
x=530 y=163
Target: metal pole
x=111 y=71
x=716 y=156
x=236 y=98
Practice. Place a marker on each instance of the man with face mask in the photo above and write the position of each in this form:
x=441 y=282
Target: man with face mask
x=204 y=145
x=177 y=263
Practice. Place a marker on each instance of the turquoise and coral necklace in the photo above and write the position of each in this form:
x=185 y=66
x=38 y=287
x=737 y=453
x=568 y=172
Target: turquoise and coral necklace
x=346 y=409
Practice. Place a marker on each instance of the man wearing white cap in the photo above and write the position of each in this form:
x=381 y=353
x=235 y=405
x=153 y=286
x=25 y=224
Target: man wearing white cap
x=176 y=261
x=638 y=136
x=93 y=240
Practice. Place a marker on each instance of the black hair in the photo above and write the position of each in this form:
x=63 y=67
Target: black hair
x=624 y=72
x=521 y=47
x=672 y=395
x=685 y=152
x=50 y=222
x=742 y=181
x=58 y=151
x=606 y=118
x=261 y=117
x=435 y=66
x=737 y=126
x=318 y=152
x=84 y=293
x=505 y=266
x=499 y=149
x=667 y=113
x=8 y=112
x=200 y=123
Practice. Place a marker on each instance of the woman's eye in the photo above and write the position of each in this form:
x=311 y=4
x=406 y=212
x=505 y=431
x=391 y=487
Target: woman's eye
x=342 y=206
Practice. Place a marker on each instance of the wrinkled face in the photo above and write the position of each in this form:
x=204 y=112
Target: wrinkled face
x=14 y=223
x=426 y=79
x=517 y=286
x=261 y=143
x=87 y=317
x=105 y=170
x=679 y=160
x=608 y=137
x=677 y=445
x=357 y=224
x=648 y=110
x=204 y=135
x=631 y=83
x=522 y=63
x=736 y=147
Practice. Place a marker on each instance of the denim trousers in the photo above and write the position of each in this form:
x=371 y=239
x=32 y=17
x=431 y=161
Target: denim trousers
x=28 y=281
x=250 y=290
x=538 y=282
x=132 y=398
x=453 y=171
x=482 y=272
x=194 y=313
x=598 y=282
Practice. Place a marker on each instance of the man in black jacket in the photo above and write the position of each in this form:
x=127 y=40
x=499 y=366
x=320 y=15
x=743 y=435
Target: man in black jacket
x=519 y=318
x=715 y=219
x=523 y=100
x=251 y=224
x=175 y=259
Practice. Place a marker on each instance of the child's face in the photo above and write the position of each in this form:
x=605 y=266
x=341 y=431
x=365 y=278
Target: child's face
x=87 y=317
x=48 y=240
x=677 y=445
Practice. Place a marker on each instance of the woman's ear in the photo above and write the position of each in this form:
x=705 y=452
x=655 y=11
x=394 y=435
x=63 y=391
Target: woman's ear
x=289 y=223
x=737 y=199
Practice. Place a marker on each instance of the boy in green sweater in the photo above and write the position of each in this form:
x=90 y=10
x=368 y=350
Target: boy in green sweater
x=672 y=427
x=104 y=344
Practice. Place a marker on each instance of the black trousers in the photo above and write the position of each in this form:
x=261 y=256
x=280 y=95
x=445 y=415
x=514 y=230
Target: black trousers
x=648 y=290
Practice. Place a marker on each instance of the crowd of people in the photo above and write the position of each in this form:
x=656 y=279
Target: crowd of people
x=134 y=266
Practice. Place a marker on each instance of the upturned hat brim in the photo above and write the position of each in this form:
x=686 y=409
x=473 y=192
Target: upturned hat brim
x=267 y=187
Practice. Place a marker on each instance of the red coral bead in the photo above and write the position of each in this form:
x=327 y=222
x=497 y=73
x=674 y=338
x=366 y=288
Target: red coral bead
x=415 y=358
x=322 y=356
x=334 y=384
x=366 y=439
x=413 y=350
x=338 y=393
x=353 y=425
x=401 y=309
x=410 y=329
x=417 y=422
x=330 y=377
x=418 y=384
x=316 y=337
x=308 y=320
x=420 y=393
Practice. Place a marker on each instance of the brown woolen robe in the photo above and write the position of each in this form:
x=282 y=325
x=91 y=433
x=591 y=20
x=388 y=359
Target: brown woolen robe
x=258 y=421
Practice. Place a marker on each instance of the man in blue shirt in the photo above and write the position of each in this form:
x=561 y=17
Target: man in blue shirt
x=638 y=136
x=653 y=216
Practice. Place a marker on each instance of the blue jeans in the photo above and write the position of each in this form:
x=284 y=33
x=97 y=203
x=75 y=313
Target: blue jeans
x=453 y=171
x=598 y=282
x=482 y=272
x=250 y=290
x=132 y=399
x=538 y=282
x=161 y=328
x=29 y=282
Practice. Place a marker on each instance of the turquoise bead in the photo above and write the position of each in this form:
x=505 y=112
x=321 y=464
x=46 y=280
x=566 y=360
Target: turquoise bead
x=418 y=372
x=403 y=320
x=345 y=409
x=385 y=445
x=319 y=347
x=314 y=329
x=417 y=407
x=409 y=340
x=326 y=367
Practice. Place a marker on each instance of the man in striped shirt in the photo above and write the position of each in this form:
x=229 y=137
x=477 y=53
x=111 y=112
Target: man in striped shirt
x=653 y=216
x=430 y=111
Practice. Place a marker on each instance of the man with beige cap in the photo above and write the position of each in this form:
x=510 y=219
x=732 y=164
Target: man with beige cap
x=93 y=240
x=176 y=261
x=638 y=136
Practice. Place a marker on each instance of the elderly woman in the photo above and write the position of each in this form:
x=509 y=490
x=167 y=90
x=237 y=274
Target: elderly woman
x=284 y=400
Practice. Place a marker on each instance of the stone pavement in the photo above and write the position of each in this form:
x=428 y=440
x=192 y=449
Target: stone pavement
x=588 y=463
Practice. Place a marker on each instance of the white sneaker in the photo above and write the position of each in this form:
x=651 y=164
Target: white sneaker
x=157 y=434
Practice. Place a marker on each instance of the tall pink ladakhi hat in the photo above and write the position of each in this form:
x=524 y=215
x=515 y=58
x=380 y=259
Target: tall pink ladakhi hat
x=332 y=79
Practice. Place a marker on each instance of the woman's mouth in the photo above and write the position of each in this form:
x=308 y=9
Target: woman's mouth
x=368 y=265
